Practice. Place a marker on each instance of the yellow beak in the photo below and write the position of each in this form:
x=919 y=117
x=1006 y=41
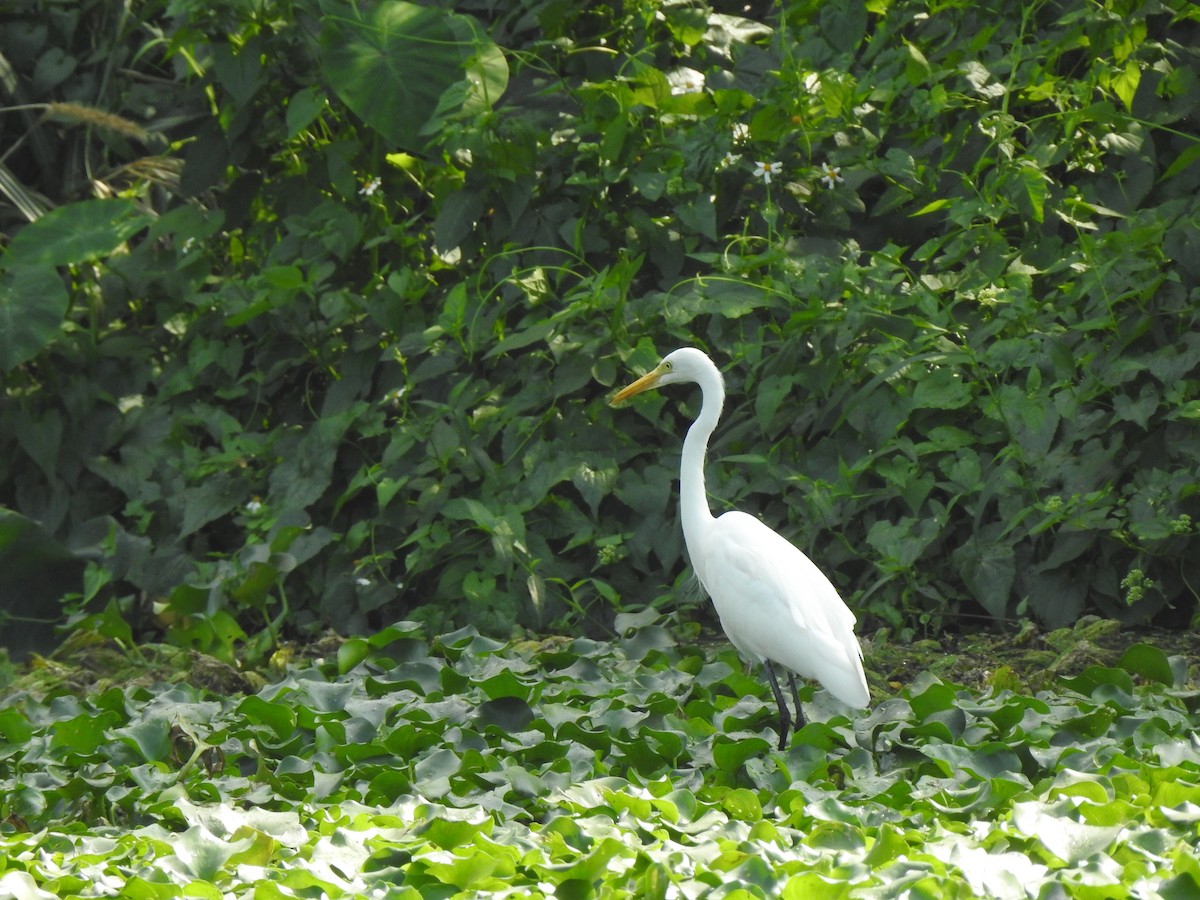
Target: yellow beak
x=645 y=383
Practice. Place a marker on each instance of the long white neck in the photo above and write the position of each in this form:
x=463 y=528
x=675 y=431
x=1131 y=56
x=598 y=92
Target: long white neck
x=693 y=500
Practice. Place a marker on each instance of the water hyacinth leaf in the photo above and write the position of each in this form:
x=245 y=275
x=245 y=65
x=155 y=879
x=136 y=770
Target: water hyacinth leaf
x=506 y=683
x=646 y=640
x=1094 y=678
x=477 y=871
x=421 y=677
x=328 y=696
x=226 y=820
x=1069 y=840
x=730 y=755
x=510 y=714
x=625 y=622
x=84 y=733
x=934 y=697
x=279 y=717
x=424 y=803
x=743 y=805
x=21 y=886
x=1149 y=662
x=351 y=653
x=389 y=785
x=440 y=764
x=814 y=886
x=201 y=854
x=448 y=834
x=150 y=737
x=15 y=728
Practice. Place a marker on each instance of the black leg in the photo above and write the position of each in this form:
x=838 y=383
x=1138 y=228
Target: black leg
x=785 y=718
x=796 y=698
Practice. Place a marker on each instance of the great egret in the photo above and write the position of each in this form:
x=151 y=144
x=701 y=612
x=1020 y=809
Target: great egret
x=774 y=603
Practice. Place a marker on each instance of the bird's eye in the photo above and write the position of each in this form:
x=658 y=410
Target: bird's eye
x=667 y=366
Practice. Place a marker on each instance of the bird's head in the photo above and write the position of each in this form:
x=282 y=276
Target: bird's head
x=677 y=367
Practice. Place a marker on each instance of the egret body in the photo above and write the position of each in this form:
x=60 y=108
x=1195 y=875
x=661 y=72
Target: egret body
x=774 y=604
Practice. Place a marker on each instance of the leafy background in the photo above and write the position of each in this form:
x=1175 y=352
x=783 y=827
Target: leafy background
x=462 y=766
x=308 y=316
x=291 y=335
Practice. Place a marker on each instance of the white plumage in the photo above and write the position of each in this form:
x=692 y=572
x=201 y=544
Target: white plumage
x=775 y=605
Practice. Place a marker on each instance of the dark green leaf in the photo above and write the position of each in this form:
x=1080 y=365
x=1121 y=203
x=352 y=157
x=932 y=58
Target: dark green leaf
x=32 y=303
x=77 y=233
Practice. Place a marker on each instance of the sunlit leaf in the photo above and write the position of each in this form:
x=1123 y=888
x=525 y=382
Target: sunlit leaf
x=394 y=64
x=75 y=233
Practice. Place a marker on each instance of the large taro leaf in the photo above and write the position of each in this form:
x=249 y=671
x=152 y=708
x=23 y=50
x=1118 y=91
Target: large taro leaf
x=33 y=301
x=76 y=233
x=398 y=65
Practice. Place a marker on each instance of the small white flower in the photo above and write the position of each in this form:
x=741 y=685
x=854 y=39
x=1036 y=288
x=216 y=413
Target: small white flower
x=741 y=132
x=254 y=507
x=686 y=81
x=728 y=160
x=370 y=187
x=767 y=170
x=362 y=582
x=189 y=244
x=832 y=176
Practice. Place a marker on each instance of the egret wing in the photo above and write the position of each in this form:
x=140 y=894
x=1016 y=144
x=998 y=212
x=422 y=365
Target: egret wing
x=774 y=603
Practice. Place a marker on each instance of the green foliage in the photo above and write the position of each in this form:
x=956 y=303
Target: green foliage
x=417 y=767
x=399 y=65
x=319 y=327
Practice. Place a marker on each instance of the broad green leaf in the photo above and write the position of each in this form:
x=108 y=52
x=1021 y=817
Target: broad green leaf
x=510 y=714
x=20 y=885
x=351 y=653
x=303 y=108
x=14 y=727
x=941 y=388
x=1094 y=678
x=1037 y=189
x=990 y=570
x=450 y=834
x=202 y=854
x=84 y=733
x=279 y=717
x=150 y=736
x=392 y=65
x=1067 y=839
x=1125 y=83
x=730 y=756
x=76 y=233
x=743 y=805
x=455 y=222
x=212 y=498
x=1149 y=662
x=33 y=301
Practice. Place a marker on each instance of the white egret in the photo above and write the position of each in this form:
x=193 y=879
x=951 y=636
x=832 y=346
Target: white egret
x=774 y=603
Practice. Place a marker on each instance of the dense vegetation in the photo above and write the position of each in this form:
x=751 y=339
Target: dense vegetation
x=308 y=315
x=464 y=767
x=309 y=311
